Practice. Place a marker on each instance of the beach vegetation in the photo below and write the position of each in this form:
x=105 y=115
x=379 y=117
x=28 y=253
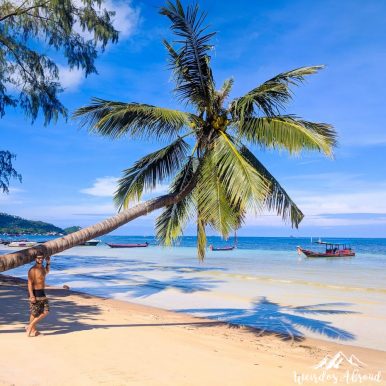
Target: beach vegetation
x=34 y=36
x=72 y=229
x=16 y=225
x=7 y=171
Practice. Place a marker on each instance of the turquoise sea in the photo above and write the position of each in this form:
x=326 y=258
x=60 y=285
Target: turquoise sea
x=263 y=283
x=269 y=257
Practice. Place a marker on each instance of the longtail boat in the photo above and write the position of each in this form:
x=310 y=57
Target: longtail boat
x=332 y=250
x=140 y=245
x=230 y=248
x=226 y=248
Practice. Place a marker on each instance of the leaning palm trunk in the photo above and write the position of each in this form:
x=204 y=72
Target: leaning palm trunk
x=25 y=256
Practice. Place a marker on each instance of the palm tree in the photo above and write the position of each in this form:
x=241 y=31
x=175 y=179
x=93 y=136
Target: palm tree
x=214 y=176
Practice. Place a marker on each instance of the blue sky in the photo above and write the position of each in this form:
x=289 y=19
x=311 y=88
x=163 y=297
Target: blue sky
x=69 y=175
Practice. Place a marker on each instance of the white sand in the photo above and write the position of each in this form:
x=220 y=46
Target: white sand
x=93 y=341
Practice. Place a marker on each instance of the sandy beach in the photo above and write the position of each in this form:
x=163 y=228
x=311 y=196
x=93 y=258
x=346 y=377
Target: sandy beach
x=90 y=340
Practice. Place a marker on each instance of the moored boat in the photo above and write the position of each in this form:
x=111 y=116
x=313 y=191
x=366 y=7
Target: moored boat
x=331 y=250
x=90 y=243
x=19 y=244
x=226 y=248
x=138 y=245
x=230 y=248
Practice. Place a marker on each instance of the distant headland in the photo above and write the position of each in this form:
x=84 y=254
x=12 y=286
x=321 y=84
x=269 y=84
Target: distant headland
x=15 y=225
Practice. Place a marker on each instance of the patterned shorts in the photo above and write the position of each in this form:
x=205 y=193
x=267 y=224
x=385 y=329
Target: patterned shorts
x=40 y=306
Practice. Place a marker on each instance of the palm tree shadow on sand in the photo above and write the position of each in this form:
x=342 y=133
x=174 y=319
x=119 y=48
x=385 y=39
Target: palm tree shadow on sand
x=186 y=285
x=66 y=315
x=286 y=322
x=264 y=318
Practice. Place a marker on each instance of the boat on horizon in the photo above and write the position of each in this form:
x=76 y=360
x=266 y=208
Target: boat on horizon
x=137 y=245
x=331 y=250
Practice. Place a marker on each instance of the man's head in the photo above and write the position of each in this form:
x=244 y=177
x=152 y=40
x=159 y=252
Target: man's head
x=39 y=258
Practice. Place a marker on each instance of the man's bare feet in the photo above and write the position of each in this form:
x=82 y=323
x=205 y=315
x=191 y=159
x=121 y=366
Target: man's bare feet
x=31 y=332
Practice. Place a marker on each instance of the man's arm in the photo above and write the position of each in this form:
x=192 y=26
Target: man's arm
x=30 y=285
x=48 y=263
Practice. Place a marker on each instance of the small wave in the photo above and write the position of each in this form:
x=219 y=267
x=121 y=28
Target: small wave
x=302 y=282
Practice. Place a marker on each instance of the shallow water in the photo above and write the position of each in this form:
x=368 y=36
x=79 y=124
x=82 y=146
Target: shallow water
x=264 y=283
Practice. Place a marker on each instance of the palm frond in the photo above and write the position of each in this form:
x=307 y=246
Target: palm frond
x=115 y=119
x=245 y=187
x=271 y=96
x=215 y=206
x=150 y=170
x=190 y=62
x=226 y=89
x=201 y=238
x=288 y=132
x=171 y=222
x=277 y=198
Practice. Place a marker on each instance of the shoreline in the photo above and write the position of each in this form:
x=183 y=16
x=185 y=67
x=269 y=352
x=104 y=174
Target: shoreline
x=93 y=340
x=332 y=300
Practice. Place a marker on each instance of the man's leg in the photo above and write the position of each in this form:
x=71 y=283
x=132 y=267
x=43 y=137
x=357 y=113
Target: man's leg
x=32 y=326
x=40 y=308
x=28 y=328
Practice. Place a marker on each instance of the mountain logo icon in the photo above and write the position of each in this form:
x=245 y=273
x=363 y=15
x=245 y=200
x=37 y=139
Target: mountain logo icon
x=339 y=359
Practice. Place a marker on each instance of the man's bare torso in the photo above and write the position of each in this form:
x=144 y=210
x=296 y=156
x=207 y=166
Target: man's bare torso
x=38 y=277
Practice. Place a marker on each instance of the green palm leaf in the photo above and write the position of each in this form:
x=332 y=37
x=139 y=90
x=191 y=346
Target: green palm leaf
x=190 y=63
x=277 y=198
x=288 y=132
x=270 y=96
x=115 y=119
x=226 y=89
x=215 y=206
x=171 y=222
x=245 y=187
x=150 y=170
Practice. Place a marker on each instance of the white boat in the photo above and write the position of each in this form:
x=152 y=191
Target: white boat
x=19 y=244
x=91 y=243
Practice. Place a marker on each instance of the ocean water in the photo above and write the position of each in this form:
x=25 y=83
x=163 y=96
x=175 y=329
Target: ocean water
x=263 y=283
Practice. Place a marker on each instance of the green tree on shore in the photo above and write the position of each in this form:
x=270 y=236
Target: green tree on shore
x=29 y=78
x=214 y=176
x=6 y=170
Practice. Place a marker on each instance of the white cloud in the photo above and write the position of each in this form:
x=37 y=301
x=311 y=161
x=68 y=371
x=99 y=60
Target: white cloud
x=106 y=187
x=126 y=17
x=360 y=207
x=102 y=187
x=373 y=201
x=70 y=79
x=333 y=221
x=125 y=20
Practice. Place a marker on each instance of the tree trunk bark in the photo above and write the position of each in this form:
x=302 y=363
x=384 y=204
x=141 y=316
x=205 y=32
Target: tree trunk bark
x=25 y=256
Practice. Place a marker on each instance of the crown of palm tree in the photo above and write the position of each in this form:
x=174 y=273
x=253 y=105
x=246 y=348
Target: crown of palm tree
x=223 y=177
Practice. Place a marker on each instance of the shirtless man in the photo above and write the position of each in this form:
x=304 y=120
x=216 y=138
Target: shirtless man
x=37 y=298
